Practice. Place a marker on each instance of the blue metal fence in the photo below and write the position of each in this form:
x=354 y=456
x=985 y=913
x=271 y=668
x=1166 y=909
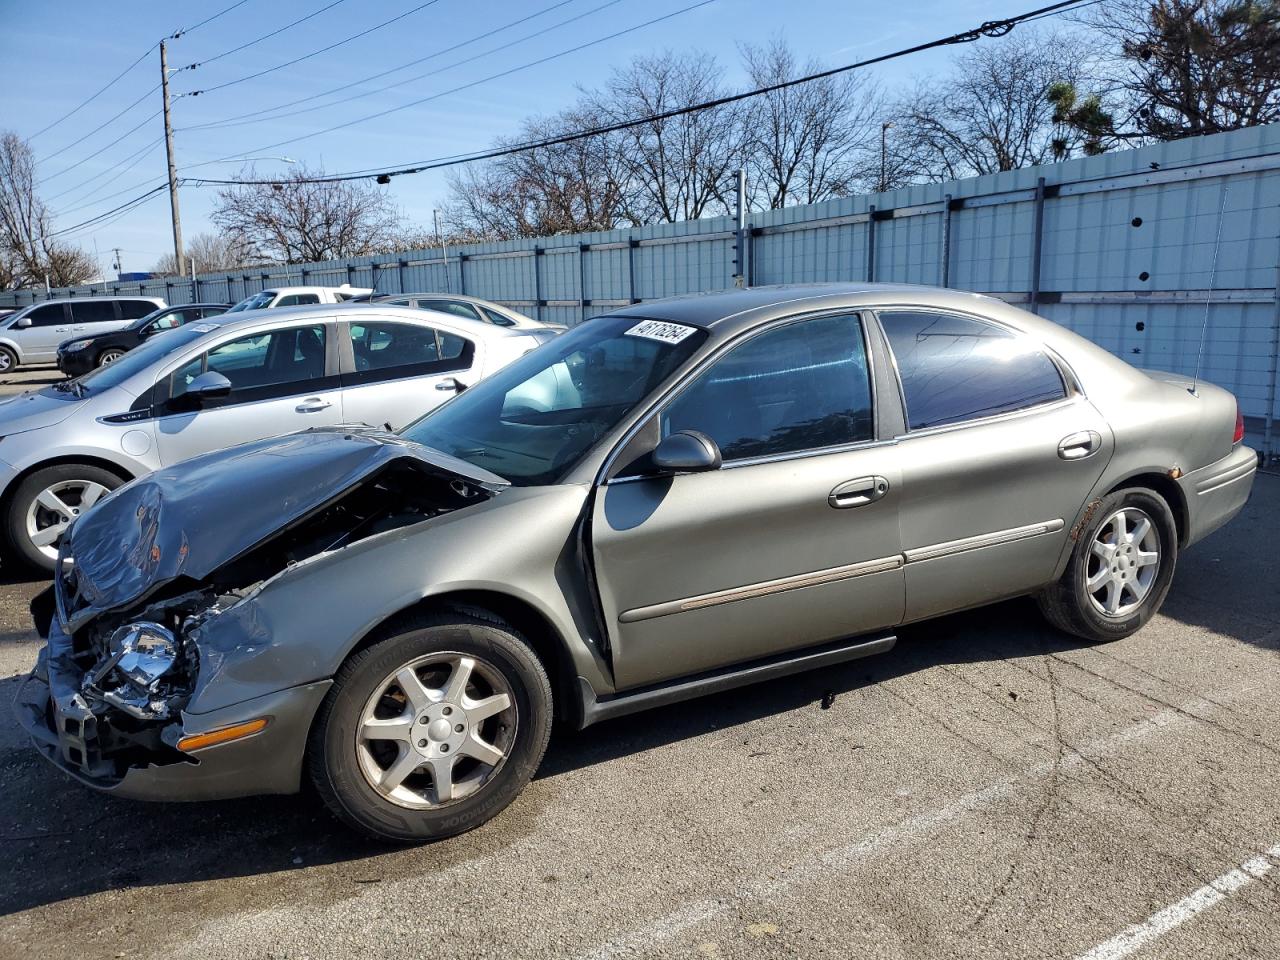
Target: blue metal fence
x=1120 y=248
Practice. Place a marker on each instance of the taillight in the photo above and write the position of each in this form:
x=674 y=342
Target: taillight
x=1239 y=434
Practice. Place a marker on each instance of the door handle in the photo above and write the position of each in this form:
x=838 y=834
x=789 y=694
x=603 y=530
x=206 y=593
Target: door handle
x=855 y=493
x=313 y=405
x=1078 y=446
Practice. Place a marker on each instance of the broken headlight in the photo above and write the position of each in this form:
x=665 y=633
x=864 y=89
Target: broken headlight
x=147 y=651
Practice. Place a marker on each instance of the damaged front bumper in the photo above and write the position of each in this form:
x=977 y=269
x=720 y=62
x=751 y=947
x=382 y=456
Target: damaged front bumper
x=67 y=732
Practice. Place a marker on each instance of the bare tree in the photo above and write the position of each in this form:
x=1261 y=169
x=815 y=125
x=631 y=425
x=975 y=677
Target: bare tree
x=302 y=221
x=810 y=142
x=994 y=113
x=30 y=254
x=210 y=251
x=1190 y=67
x=561 y=188
x=679 y=168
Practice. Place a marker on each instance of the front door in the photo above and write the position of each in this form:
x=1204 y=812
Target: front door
x=1000 y=455
x=792 y=542
x=50 y=325
x=398 y=371
x=282 y=380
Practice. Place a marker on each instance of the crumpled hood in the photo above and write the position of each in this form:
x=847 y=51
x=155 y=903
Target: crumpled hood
x=35 y=409
x=192 y=518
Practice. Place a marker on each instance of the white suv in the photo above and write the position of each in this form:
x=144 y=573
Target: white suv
x=32 y=334
x=299 y=297
x=222 y=381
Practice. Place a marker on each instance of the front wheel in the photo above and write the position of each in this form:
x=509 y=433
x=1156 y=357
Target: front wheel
x=45 y=503
x=110 y=356
x=433 y=730
x=8 y=360
x=1120 y=569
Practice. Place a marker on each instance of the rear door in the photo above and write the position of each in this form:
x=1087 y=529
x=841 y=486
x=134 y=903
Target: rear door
x=283 y=379
x=1000 y=454
x=792 y=542
x=95 y=316
x=394 y=371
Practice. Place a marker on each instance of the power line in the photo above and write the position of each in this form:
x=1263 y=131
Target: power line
x=257 y=40
x=84 y=103
x=235 y=120
x=307 y=56
x=990 y=28
x=128 y=163
x=105 y=123
x=185 y=30
x=92 y=221
x=102 y=150
x=474 y=83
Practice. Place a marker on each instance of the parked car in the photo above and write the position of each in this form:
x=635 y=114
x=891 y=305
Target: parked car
x=80 y=356
x=220 y=381
x=32 y=334
x=299 y=297
x=473 y=308
x=677 y=498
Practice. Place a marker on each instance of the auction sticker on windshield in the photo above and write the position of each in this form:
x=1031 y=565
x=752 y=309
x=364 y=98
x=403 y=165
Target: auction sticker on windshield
x=204 y=327
x=660 y=330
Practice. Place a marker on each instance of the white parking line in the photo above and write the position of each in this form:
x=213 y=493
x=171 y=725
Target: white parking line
x=661 y=929
x=1210 y=895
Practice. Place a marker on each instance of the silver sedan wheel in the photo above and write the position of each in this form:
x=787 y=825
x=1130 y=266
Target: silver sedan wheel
x=53 y=509
x=110 y=356
x=1124 y=560
x=436 y=730
x=5 y=361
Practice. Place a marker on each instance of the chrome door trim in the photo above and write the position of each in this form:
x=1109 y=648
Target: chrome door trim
x=763 y=589
x=995 y=538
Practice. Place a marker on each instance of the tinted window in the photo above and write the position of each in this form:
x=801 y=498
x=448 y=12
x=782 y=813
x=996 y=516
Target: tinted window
x=132 y=309
x=256 y=302
x=276 y=359
x=298 y=299
x=139 y=359
x=800 y=387
x=50 y=315
x=406 y=349
x=451 y=306
x=497 y=319
x=955 y=369
x=99 y=311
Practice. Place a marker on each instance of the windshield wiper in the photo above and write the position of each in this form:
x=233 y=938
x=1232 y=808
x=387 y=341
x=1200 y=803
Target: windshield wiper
x=70 y=386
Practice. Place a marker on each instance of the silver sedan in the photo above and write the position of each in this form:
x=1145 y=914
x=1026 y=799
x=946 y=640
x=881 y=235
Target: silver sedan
x=682 y=497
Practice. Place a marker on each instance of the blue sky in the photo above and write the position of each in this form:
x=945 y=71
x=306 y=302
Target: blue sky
x=57 y=54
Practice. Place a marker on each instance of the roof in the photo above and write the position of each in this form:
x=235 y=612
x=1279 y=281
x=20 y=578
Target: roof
x=275 y=315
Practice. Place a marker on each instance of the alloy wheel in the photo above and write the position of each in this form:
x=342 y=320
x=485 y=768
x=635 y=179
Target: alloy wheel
x=5 y=361
x=436 y=730
x=53 y=509
x=110 y=356
x=1124 y=560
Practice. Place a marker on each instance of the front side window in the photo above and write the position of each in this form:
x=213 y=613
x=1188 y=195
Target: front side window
x=298 y=299
x=93 y=311
x=270 y=363
x=537 y=417
x=802 y=386
x=955 y=369
x=383 y=349
x=50 y=315
x=257 y=302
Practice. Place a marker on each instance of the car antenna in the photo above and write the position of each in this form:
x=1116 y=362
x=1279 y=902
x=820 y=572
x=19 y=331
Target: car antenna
x=1213 y=274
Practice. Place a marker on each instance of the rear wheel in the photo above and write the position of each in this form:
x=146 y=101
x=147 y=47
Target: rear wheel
x=433 y=730
x=44 y=504
x=1120 y=568
x=110 y=355
x=8 y=360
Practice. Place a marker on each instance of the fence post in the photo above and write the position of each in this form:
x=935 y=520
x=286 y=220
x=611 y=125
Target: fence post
x=632 y=243
x=1036 y=241
x=462 y=274
x=582 y=281
x=946 y=241
x=871 y=244
x=740 y=233
x=537 y=282
x=1269 y=452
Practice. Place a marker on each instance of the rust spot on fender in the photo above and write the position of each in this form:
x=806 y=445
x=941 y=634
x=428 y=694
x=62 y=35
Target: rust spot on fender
x=1084 y=521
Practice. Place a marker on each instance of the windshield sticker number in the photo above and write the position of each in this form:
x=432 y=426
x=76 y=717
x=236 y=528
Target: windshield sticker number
x=204 y=327
x=661 y=331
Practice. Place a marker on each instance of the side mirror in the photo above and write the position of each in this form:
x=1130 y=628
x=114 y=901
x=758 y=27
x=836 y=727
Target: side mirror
x=687 y=452
x=208 y=386
x=22 y=323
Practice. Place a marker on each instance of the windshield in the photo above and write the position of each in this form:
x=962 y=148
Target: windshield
x=137 y=359
x=256 y=302
x=535 y=419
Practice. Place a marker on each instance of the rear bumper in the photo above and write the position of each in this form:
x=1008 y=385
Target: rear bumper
x=66 y=732
x=1216 y=493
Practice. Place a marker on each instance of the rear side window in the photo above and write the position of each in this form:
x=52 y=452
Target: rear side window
x=454 y=307
x=298 y=299
x=93 y=311
x=803 y=386
x=384 y=350
x=133 y=309
x=955 y=369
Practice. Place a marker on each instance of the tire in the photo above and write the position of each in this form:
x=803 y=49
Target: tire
x=110 y=355
x=71 y=483
x=1106 y=593
x=345 y=766
x=8 y=361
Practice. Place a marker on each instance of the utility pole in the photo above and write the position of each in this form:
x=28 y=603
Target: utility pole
x=883 y=185
x=168 y=150
x=742 y=241
x=118 y=264
x=444 y=252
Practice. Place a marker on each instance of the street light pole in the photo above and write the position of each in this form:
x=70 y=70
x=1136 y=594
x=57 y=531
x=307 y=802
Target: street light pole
x=168 y=150
x=884 y=177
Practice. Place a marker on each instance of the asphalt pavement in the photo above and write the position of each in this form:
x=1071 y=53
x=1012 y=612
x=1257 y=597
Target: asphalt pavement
x=989 y=789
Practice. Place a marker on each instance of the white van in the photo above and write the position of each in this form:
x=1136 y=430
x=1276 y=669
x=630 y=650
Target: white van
x=32 y=334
